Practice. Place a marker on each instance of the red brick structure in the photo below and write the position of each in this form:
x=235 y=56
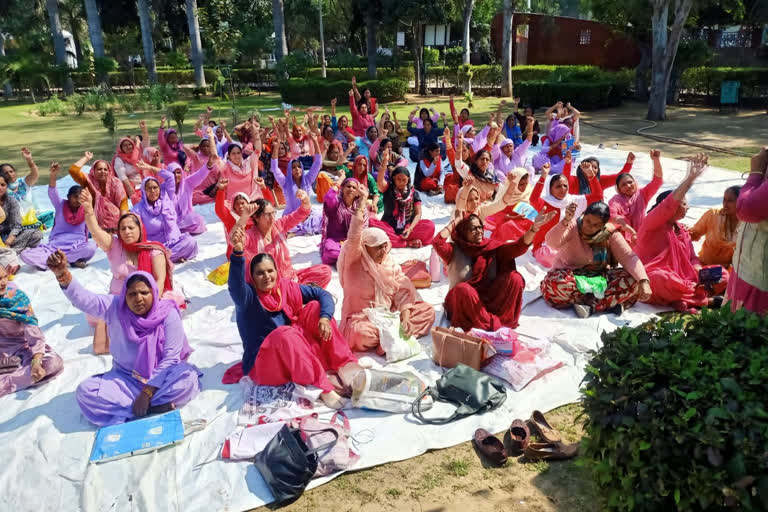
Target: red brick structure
x=563 y=41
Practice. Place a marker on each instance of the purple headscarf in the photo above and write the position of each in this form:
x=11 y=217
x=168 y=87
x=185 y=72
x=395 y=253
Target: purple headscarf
x=343 y=214
x=148 y=332
x=163 y=206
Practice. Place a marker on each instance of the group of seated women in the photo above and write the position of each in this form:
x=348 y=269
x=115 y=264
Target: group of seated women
x=601 y=257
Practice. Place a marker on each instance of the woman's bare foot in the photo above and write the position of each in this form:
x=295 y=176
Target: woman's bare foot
x=348 y=371
x=332 y=399
x=414 y=244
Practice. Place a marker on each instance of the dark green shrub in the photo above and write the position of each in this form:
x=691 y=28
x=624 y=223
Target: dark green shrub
x=178 y=112
x=104 y=65
x=158 y=95
x=198 y=92
x=98 y=98
x=676 y=415
x=405 y=73
x=53 y=106
x=583 y=95
x=431 y=56
x=319 y=91
x=454 y=56
x=130 y=103
x=109 y=120
x=79 y=103
x=706 y=80
x=295 y=64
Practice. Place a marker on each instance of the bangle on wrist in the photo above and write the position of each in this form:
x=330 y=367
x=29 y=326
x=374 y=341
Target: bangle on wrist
x=149 y=392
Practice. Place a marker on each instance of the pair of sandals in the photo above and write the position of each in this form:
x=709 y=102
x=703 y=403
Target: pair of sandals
x=552 y=447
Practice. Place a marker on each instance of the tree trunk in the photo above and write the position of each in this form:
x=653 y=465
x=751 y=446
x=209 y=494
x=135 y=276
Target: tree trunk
x=506 y=52
x=94 y=28
x=641 y=79
x=146 y=40
x=196 y=46
x=322 y=39
x=7 y=87
x=370 y=40
x=469 y=5
x=416 y=51
x=59 y=45
x=665 y=43
x=278 y=20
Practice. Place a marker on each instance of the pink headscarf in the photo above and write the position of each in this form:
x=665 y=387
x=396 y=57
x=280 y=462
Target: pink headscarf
x=108 y=204
x=129 y=158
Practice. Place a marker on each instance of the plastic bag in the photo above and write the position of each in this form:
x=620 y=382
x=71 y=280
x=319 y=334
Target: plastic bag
x=595 y=285
x=388 y=391
x=220 y=275
x=394 y=341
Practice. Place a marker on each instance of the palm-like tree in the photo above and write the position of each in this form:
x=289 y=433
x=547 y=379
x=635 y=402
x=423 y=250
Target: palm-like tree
x=278 y=19
x=146 y=40
x=94 y=28
x=196 y=46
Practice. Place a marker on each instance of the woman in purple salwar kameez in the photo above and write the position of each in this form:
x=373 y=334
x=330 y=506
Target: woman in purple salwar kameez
x=69 y=231
x=189 y=220
x=149 y=350
x=25 y=358
x=158 y=215
x=338 y=208
x=300 y=180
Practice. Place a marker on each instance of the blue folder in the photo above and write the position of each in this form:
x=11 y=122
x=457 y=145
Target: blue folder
x=138 y=436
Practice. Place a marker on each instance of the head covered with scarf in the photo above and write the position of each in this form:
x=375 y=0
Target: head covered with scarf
x=480 y=254
x=130 y=158
x=147 y=331
x=107 y=204
x=15 y=305
x=143 y=249
x=562 y=204
x=404 y=208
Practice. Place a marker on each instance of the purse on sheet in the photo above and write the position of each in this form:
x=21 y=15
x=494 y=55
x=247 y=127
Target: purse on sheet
x=472 y=392
x=450 y=348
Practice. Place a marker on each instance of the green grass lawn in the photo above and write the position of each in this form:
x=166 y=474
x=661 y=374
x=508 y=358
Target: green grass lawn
x=66 y=137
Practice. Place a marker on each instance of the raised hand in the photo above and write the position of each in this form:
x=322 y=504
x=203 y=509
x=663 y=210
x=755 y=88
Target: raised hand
x=333 y=102
x=88 y=155
x=86 y=201
x=447 y=134
x=569 y=159
x=163 y=120
x=55 y=168
x=570 y=211
x=57 y=262
x=354 y=80
x=545 y=169
x=351 y=92
x=362 y=194
x=26 y=153
x=655 y=154
x=698 y=165
x=542 y=219
x=222 y=183
x=631 y=157
x=223 y=124
x=759 y=162
x=237 y=238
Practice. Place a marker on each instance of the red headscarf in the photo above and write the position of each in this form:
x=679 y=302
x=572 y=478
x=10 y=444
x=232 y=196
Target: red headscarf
x=480 y=254
x=362 y=177
x=129 y=158
x=285 y=296
x=143 y=249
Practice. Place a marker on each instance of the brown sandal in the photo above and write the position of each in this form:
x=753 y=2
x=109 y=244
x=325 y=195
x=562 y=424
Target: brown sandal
x=551 y=451
x=539 y=425
x=519 y=436
x=490 y=447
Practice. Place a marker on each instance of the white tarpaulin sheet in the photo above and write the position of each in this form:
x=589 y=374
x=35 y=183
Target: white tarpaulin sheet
x=45 y=443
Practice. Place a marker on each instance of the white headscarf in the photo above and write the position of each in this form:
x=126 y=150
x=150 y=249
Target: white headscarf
x=562 y=204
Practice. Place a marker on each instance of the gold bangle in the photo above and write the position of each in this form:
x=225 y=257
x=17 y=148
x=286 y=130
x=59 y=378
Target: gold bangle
x=148 y=392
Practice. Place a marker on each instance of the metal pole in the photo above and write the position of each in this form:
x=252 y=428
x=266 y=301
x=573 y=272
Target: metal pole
x=322 y=37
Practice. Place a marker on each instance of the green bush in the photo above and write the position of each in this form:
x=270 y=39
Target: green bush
x=676 y=416
x=334 y=74
x=79 y=103
x=98 y=98
x=431 y=56
x=109 y=120
x=454 y=56
x=130 y=103
x=319 y=91
x=706 y=80
x=178 y=112
x=104 y=65
x=295 y=64
x=53 y=106
x=174 y=59
x=158 y=95
x=123 y=78
x=584 y=95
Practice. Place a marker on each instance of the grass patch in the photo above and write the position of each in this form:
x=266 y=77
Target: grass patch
x=458 y=467
x=393 y=493
x=540 y=466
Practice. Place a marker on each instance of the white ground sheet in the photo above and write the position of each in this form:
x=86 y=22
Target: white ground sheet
x=45 y=443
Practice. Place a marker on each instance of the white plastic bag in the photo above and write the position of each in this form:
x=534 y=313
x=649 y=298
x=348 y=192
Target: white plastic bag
x=395 y=343
x=388 y=391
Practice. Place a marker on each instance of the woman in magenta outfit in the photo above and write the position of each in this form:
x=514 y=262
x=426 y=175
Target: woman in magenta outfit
x=748 y=286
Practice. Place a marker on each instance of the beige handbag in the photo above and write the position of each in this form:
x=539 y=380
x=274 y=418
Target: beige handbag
x=450 y=347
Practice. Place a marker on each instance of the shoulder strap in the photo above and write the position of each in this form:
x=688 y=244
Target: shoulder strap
x=416 y=409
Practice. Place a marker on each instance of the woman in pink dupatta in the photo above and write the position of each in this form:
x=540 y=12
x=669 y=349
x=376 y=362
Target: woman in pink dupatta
x=665 y=248
x=371 y=278
x=629 y=204
x=268 y=236
x=108 y=192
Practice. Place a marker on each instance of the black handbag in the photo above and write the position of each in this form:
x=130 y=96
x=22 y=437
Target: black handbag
x=287 y=465
x=471 y=391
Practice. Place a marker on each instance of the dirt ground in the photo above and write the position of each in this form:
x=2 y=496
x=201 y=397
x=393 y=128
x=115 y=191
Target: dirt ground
x=454 y=479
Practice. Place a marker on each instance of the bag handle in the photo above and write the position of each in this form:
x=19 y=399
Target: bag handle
x=344 y=423
x=416 y=409
x=327 y=446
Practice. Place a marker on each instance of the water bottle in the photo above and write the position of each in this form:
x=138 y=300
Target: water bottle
x=435 y=266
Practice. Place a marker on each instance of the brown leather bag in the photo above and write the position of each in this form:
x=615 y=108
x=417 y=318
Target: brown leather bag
x=450 y=347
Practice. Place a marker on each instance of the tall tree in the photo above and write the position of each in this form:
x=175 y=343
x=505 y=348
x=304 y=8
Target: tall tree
x=278 y=19
x=666 y=39
x=196 y=46
x=94 y=28
x=506 y=52
x=370 y=38
x=147 y=42
x=469 y=6
x=59 y=45
x=322 y=37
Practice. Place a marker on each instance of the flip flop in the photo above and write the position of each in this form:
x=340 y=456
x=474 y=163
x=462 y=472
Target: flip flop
x=539 y=425
x=519 y=436
x=490 y=447
x=551 y=451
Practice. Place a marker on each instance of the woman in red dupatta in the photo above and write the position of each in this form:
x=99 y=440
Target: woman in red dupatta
x=107 y=191
x=490 y=292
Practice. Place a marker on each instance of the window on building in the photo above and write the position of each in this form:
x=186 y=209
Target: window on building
x=585 y=37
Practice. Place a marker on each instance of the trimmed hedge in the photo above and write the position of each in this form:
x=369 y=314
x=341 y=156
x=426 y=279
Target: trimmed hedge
x=706 y=80
x=676 y=414
x=178 y=77
x=587 y=95
x=319 y=91
x=405 y=73
x=489 y=75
